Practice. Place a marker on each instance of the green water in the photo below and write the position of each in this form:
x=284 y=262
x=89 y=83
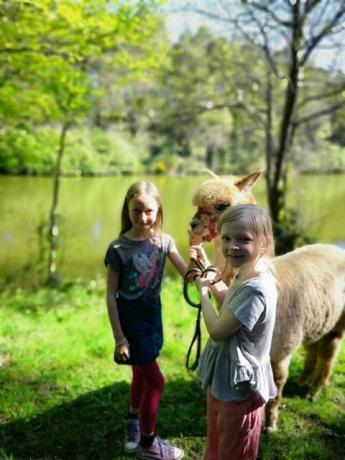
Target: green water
x=90 y=212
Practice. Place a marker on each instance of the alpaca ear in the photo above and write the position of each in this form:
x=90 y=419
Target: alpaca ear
x=210 y=173
x=247 y=182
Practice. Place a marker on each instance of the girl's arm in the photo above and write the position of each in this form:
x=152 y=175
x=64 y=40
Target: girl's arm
x=219 y=290
x=177 y=261
x=219 y=326
x=121 y=344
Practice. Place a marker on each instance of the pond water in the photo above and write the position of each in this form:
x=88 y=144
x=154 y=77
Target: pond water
x=90 y=215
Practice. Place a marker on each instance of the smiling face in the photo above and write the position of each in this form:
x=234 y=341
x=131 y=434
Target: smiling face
x=142 y=211
x=246 y=237
x=239 y=243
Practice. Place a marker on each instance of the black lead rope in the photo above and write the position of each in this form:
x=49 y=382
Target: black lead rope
x=197 y=338
x=198 y=272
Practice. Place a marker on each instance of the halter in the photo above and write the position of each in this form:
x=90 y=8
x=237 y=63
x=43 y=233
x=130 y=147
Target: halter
x=212 y=225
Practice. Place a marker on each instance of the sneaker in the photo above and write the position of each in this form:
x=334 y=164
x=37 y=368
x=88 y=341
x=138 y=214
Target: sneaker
x=160 y=450
x=132 y=437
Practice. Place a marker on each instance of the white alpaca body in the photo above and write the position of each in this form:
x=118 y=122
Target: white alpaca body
x=311 y=296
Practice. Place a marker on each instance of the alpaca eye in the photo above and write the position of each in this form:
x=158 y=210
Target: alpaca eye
x=221 y=207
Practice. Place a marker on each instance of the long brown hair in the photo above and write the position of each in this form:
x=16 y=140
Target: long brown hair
x=136 y=189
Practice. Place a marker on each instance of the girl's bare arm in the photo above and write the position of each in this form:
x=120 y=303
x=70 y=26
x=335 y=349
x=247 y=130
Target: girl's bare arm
x=178 y=262
x=121 y=344
x=219 y=326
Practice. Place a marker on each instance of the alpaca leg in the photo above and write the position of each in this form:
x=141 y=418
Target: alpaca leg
x=309 y=363
x=280 y=373
x=328 y=348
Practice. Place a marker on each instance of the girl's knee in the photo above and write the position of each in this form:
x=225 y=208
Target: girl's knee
x=156 y=377
x=159 y=382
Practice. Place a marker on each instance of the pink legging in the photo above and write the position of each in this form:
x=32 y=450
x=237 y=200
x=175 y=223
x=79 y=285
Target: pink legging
x=146 y=389
x=233 y=428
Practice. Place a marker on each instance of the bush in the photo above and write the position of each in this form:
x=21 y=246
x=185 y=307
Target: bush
x=26 y=152
x=88 y=152
x=289 y=233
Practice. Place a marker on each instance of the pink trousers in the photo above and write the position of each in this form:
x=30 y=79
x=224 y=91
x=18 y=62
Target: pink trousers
x=233 y=428
x=146 y=389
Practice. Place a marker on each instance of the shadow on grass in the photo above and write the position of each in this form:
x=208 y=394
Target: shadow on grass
x=92 y=426
x=305 y=435
x=321 y=441
x=293 y=389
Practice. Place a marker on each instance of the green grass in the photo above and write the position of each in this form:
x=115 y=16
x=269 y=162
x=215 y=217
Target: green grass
x=61 y=396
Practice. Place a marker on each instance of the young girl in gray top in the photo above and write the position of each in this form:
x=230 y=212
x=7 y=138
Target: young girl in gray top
x=135 y=262
x=235 y=366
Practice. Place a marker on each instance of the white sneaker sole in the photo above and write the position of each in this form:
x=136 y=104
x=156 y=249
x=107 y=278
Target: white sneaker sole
x=131 y=450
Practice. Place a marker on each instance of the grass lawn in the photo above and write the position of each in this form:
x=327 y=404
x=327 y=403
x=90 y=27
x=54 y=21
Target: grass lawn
x=61 y=396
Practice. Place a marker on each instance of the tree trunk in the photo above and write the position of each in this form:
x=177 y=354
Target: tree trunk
x=276 y=191
x=53 y=230
x=209 y=156
x=234 y=138
x=268 y=132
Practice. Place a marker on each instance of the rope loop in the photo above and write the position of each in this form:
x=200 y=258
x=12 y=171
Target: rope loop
x=191 y=275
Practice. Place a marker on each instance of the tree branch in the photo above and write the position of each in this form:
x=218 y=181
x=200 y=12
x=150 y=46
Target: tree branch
x=323 y=33
x=318 y=97
x=315 y=115
x=266 y=10
x=310 y=4
x=265 y=47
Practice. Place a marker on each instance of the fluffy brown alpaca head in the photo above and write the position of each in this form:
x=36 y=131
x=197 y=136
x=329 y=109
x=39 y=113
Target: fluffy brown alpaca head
x=213 y=197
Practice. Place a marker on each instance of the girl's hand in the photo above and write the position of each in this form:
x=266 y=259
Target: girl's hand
x=196 y=252
x=194 y=239
x=203 y=284
x=122 y=349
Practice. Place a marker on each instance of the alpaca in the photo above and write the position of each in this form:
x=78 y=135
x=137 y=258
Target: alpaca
x=311 y=291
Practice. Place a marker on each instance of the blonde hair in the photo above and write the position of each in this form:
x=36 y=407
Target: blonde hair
x=135 y=190
x=257 y=219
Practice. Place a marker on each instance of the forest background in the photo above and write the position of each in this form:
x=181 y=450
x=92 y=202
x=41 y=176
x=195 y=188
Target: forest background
x=129 y=100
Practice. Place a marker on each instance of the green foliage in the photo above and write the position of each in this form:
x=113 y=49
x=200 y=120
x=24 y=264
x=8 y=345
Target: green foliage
x=338 y=127
x=196 y=102
x=289 y=232
x=87 y=152
x=28 y=152
x=315 y=153
x=51 y=52
x=204 y=117
x=103 y=152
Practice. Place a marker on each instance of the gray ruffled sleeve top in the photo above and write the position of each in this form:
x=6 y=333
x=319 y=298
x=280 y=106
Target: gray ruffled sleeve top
x=240 y=364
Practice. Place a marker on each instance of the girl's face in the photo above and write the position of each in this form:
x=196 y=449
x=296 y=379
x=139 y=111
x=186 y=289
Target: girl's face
x=142 y=211
x=239 y=244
